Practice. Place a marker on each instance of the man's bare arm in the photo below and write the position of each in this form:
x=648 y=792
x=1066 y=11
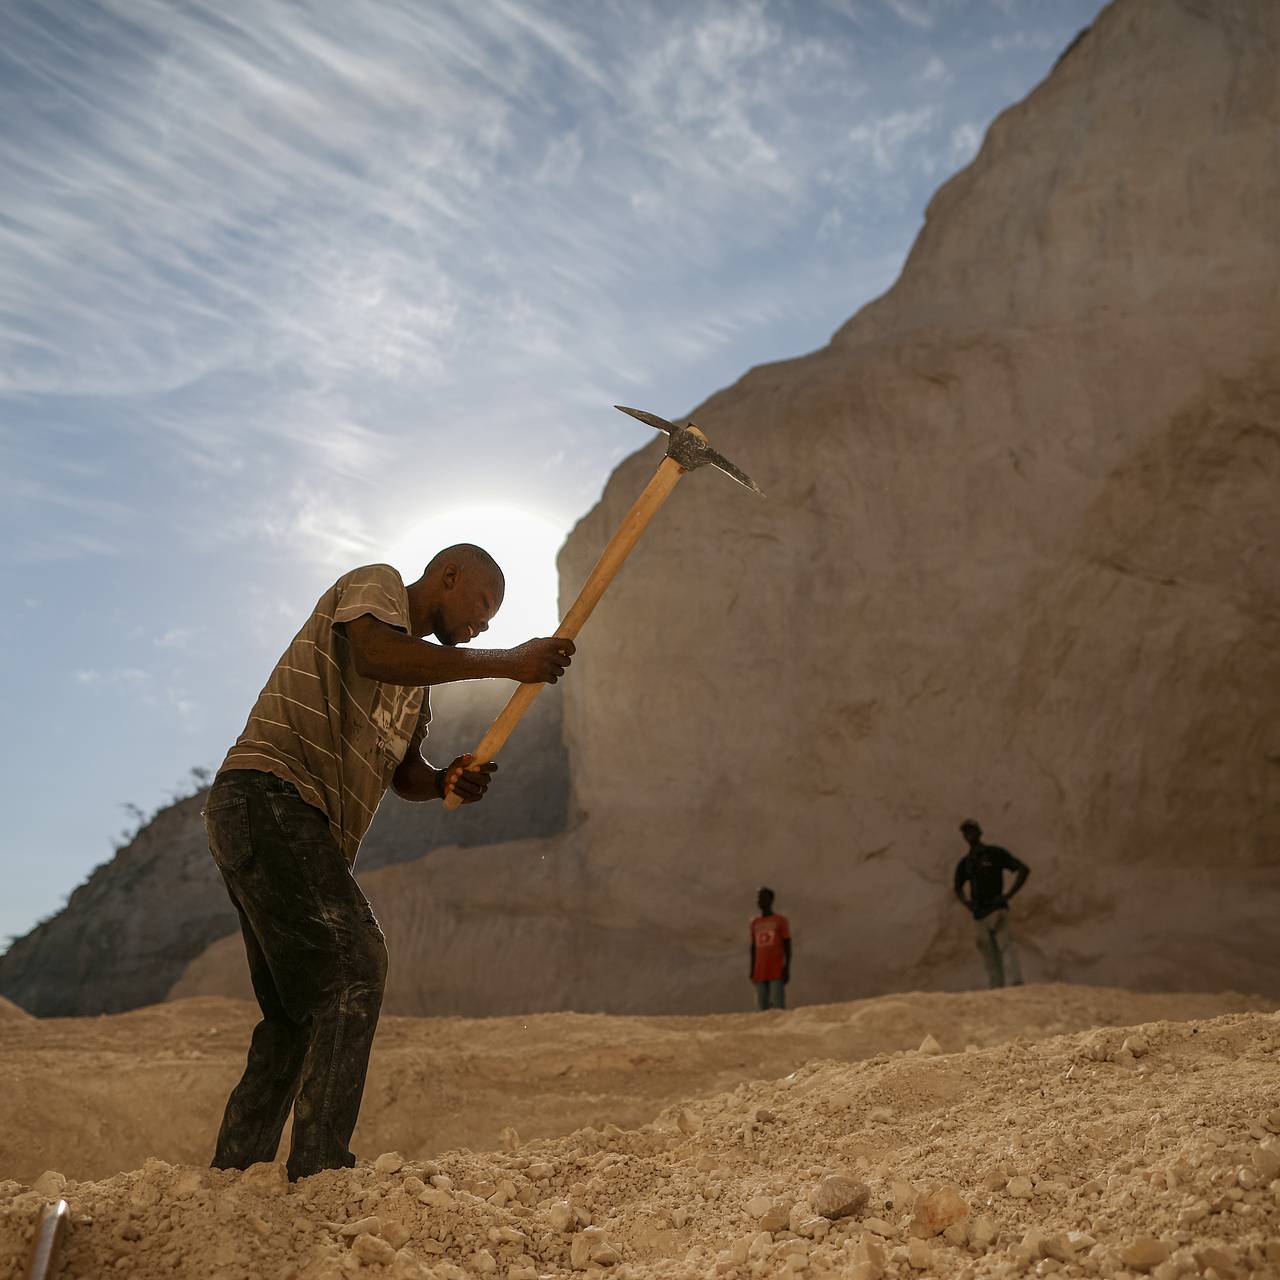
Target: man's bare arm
x=418 y=779
x=380 y=652
x=415 y=778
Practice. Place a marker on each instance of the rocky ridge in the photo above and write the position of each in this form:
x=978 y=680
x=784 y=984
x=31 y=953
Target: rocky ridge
x=128 y=933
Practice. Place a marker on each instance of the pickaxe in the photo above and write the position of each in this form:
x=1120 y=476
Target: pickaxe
x=687 y=449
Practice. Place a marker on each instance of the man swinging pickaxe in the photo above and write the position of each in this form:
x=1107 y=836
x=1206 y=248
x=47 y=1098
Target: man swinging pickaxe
x=687 y=449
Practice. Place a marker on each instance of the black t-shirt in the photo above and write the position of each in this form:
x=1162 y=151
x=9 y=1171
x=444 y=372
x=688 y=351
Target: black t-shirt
x=983 y=867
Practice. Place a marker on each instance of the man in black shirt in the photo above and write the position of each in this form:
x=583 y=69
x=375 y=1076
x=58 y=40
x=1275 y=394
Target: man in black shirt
x=982 y=869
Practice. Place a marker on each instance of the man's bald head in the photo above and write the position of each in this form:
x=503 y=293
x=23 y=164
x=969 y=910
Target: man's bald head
x=469 y=559
x=458 y=593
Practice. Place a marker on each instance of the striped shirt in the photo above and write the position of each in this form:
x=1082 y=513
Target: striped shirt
x=335 y=734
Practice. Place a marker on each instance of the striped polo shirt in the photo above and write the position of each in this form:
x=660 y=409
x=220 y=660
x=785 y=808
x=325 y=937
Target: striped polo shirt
x=335 y=734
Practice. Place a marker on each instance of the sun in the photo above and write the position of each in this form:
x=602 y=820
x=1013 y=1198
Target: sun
x=524 y=543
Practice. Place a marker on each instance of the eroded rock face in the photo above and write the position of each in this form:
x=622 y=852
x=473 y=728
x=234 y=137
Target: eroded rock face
x=130 y=931
x=1019 y=560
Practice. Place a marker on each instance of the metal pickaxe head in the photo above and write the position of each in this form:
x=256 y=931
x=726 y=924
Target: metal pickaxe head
x=688 y=447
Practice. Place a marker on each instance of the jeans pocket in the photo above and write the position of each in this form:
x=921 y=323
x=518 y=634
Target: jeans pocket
x=298 y=821
x=227 y=822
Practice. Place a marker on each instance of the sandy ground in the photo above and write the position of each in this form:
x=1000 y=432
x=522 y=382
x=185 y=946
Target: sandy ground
x=1024 y=1141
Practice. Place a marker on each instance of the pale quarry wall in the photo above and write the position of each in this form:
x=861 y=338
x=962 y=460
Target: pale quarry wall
x=1018 y=560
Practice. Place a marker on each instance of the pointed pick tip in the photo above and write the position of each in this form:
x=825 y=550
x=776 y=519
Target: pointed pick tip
x=651 y=419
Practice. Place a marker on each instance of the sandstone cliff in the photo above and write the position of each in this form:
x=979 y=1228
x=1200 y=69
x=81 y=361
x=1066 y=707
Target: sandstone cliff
x=130 y=930
x=1019 y=560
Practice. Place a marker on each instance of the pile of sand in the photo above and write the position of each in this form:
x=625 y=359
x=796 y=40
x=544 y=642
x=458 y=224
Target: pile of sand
x=92 y=1096
x=9 y=1012
x=1116 y=1152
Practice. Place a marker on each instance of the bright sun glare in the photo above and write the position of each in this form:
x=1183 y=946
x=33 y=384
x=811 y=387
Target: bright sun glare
x=524 y=544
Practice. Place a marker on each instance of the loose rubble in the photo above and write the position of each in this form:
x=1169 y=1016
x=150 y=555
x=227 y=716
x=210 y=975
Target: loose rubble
x=1055 y=1158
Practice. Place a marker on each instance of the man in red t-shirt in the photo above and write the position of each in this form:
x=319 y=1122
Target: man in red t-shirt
x=770 y=954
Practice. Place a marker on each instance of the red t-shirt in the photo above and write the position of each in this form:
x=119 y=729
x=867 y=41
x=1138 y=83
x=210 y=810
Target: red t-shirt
x=767 y=932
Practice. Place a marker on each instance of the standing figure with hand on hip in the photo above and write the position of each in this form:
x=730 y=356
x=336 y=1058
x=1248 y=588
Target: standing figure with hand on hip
x=982 y=869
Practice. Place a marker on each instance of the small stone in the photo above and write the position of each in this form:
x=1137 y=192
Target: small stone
x=983 y=1231
x=1031 y=1246
x=1020 y=1188
x=936 y=1210
x=1144 y=1253
x=919 y=1255
x=880 y=1227
x=561 y=1216
x=957 y=1234
x=778 y=1218
x=1266 y=1161
x=188 y=1182
x=389 y=1162
x=1136 y=1045
x=1214 y=1259
x=995 y=1181
x=484 y=1262
x=880 y=1115
x=510 y=1139
x=1193 y=1213
x=904 y=1194
x=436 y=1197
x=591 y=1246
x=266 y=1176
x=49 y=1184
x=540 y=1171
x=361 y=1226
x=370 y=1249
x=765 y=1116
x=413 y=1185
x=687 y=1122
x=839 y=1196
x=396 y=1234
x=930 y=1046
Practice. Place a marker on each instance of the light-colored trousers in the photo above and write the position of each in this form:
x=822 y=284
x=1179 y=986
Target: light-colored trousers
x=998 y=952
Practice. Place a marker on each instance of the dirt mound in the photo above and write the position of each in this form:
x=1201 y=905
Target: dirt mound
x=9 y=1012
x=1113 y=1152
x=90 y=1097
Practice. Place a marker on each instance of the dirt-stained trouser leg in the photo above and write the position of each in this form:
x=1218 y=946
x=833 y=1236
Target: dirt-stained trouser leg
x=325 y=960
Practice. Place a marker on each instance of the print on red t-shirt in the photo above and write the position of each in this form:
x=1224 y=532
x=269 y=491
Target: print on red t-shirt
x=767 y=932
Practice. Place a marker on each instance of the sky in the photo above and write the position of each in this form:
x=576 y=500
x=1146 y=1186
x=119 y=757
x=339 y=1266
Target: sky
x=286 y=288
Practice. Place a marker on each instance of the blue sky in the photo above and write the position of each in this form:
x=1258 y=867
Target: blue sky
x=286 y=288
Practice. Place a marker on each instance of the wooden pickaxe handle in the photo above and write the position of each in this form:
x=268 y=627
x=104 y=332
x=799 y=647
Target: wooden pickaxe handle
x=645 y=507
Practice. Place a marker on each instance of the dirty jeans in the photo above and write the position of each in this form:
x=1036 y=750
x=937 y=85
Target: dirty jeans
x=771 y=994
x=318 y=962
x=998 y=952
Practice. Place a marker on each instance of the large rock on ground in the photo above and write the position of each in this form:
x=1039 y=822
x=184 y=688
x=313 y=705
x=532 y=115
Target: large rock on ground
x=1019 y=560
